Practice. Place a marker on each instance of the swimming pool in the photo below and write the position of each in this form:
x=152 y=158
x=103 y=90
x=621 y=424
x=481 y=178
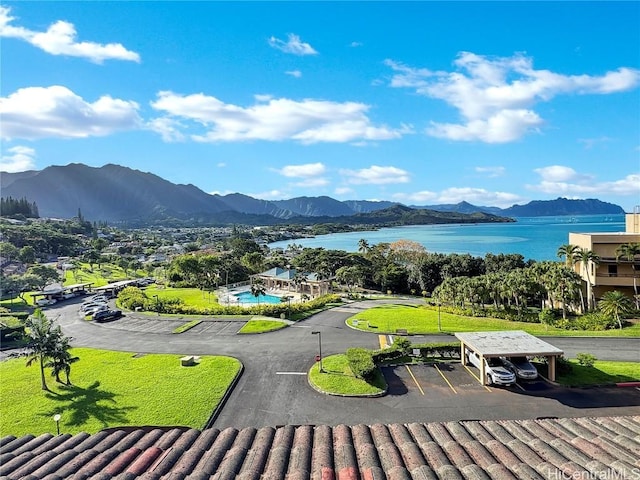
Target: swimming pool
x=248 y=297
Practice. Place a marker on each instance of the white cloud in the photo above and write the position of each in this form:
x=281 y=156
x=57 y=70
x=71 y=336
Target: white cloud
x=306 y=170
x=375 y=175
x=560 y=173
x=293 y=45
x=275 y=119
x=343 y=191
x=415 y=197
x=312 y=182
x=564 y=181
x=495 y=96
x=221 y=164
x=60 y=39
x=479 y=196
x=168 y=128
x=270 y=195
x=20 y=159
x=221 y=193
x=589 y=143
x=40 y=112
x=294 y=73
x=355 y=44
x=491 y=172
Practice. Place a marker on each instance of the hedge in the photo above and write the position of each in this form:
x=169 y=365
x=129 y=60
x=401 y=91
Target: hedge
x=361 y=363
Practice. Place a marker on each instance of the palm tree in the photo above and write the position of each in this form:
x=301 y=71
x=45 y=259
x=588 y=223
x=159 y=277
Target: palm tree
x=615 y=304
x=42 y=337
x=629 y=251
x=258 y=288
x=569 y=253
x=586 y=257
x=363 y=246
x=61 y=359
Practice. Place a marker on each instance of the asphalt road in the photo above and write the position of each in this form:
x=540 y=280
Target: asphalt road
x=273 y=389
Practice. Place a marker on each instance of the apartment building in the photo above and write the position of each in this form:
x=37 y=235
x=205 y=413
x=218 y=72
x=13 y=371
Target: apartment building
x=612 y=272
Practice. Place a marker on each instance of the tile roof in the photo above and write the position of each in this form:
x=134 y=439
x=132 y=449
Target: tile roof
x=571 y=448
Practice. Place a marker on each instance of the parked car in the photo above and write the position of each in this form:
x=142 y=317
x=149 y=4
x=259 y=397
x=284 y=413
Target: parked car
x=521 y=367
x=106 y=315
x=93 y=310
x=495 y=371
x=88 y=306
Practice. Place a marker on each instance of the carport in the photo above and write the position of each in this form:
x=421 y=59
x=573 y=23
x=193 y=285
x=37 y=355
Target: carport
x=513 y=343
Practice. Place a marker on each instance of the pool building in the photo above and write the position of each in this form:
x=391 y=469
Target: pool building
x=291 y=280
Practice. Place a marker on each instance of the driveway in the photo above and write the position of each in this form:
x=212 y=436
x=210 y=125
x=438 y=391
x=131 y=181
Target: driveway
x=274 y=391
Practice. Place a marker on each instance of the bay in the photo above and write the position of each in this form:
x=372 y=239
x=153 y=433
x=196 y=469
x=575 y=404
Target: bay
x=536 y=238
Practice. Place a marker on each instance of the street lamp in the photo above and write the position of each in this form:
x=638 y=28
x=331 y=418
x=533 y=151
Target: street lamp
x=439 y=329
x=319 y=348
x=157 y=304
x=56 y=418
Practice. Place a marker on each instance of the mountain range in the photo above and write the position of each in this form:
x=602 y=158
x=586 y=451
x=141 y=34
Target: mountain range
x=114 y=193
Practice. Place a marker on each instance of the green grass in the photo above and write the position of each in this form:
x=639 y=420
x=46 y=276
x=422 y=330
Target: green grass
x=99 y=275
x=187 y=326
x=420 y=320
x=113 y=389
x=190 y=296
x=339 y=380
x=262 y=326
x=601 y=373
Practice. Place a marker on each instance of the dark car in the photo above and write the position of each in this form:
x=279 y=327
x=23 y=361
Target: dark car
x=106 y=315
x=521 y=366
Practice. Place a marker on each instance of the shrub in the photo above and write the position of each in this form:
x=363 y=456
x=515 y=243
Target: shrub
x=595 y=321
x=402 y=344
x=586 y=359
x=361 y=363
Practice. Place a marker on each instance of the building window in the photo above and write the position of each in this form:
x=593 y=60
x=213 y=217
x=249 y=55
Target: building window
x=613 y=270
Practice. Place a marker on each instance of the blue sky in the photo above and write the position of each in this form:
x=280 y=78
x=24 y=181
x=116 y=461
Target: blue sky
x=494 y=103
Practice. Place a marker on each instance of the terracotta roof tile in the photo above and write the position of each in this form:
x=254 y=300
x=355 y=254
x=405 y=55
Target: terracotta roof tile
x=545 y=449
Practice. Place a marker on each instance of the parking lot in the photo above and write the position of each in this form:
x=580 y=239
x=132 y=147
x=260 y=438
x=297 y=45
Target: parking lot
x=450 y=379
x=165 y=326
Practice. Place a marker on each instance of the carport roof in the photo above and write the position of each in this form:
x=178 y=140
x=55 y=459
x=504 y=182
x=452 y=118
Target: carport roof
x=507 y=344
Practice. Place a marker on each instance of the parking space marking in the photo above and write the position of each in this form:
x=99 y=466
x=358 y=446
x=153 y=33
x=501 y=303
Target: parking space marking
x=445 y=379
x=415 y=379
x=476 y=377
x=520 y=386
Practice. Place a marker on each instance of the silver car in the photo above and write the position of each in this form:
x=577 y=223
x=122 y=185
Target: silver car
x=521 y=366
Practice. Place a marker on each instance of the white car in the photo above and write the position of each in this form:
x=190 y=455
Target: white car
x=521 y=366
x=496 y=373
x=89 y=306
x=93 y=310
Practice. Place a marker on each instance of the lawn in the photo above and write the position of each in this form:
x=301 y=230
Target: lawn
x=190 y=296
x=419 y=320
x=338 y=379
x=262 y=326
x=601 y=373
x=113 y=389
x=99 y=275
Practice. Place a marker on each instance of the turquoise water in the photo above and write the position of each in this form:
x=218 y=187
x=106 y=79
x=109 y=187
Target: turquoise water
x=536 y=238
x=248 y=297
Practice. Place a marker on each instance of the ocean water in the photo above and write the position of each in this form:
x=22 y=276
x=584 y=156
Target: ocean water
x=536 y=238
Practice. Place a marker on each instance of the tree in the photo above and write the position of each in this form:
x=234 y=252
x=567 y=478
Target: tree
x=27 y=254
x=569 y=252
x=253 y=261
x=363 y=246
x=61 y=359
x=615 y=304
x=9 y=251
x=44 y=275
x=586 y=257
x=629 y=251
x=258 y=288
x=42 y=337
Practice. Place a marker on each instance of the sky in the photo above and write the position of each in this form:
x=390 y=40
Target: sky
x=493 y=103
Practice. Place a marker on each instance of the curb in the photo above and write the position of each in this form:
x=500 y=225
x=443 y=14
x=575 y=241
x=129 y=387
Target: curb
x=370 y=395
x=225 y=397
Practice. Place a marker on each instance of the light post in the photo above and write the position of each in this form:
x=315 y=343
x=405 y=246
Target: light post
x=439 y=329
x=319 y=348
x=56 y=418
x=157 y=304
